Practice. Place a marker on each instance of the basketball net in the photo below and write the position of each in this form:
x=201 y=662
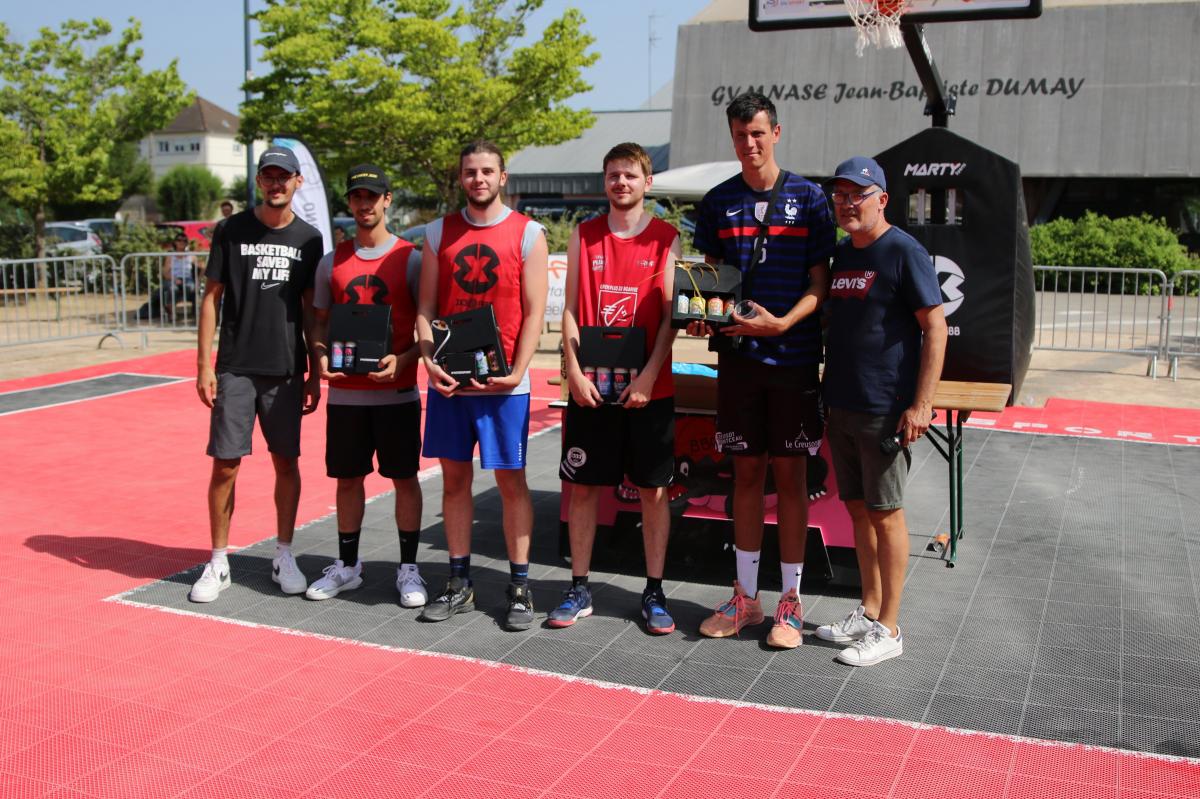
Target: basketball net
x=878 y=22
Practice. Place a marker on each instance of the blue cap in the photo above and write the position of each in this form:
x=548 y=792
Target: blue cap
x=281 y=157
x=861 y=170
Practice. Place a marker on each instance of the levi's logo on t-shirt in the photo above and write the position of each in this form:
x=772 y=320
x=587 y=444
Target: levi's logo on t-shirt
x=852 y=284
x=617 y=305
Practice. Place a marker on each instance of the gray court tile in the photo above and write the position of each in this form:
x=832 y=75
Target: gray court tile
x=975 y=713
x=1006 y=686
x=1161 y=736
x=1057 y=690
x=639 y=670
x=1182 y=704
x=803 y=691
x=1071 y=724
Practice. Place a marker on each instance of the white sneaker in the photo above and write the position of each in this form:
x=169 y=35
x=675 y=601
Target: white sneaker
x=851 y=628
x=210 y=585
x=285 y=572
x=337 y=577
x=411 y=586
x=876 y=646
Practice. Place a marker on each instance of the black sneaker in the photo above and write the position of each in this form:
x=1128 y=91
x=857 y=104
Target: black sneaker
x=457 y=597
x=520 y=607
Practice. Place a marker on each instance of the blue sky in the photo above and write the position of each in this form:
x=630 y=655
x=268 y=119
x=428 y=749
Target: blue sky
x=206 y=38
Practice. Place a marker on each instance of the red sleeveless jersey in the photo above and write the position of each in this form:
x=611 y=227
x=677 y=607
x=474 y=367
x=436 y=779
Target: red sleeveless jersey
x=383 y=281
x=621 y=283
x=482 y=265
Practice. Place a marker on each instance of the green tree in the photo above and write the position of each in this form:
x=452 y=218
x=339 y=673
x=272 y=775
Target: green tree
x=67 y=101
x=188 y=192
x=406 y=83
x=132 y=171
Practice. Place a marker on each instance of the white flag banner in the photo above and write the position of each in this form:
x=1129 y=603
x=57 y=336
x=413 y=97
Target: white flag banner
x=309 y=203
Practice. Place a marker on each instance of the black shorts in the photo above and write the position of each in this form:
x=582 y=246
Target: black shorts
x=277 y=403
x=354 y=433
x=602 y=445
x=763 y=409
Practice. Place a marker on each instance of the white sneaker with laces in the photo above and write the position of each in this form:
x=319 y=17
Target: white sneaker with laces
x=210 y=585
x=851 y=628
x=411 y=586
x=876 y=646
x=285 y=572
x=337 y=577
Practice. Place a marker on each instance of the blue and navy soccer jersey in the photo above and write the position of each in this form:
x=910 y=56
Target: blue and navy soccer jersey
x=800 y=235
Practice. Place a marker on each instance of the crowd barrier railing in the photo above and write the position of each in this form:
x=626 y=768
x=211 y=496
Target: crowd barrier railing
x=162 y=290
x=59 y=298
x=1182 y=336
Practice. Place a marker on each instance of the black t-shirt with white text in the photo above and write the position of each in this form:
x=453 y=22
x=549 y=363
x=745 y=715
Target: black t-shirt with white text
x=265 y=272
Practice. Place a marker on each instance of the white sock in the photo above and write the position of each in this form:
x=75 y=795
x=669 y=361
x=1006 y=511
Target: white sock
x=281 y=548
x=791 y=573
x=220 y=558
x=747 y=570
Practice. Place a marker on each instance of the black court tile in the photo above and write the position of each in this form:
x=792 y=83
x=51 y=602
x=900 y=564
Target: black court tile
x=1059 y=622
x=79 y=390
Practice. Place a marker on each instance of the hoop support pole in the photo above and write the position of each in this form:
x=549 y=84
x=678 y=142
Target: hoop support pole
x=938 y=103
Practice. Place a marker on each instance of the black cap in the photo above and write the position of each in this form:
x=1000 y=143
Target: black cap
x=281 y=157
x=862 y=171
x=369 y=177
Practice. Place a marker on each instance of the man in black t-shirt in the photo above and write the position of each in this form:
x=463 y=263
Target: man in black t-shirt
x=260 y=272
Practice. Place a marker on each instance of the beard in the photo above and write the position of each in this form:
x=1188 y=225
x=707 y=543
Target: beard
x=480 y=205
x=282 y=201
x=626 y=203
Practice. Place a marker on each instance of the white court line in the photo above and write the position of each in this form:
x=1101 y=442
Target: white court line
x=168 y=380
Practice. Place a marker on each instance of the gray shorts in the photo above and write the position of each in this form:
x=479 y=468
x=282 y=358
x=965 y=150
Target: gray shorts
x=276 y=401
x=863 y=471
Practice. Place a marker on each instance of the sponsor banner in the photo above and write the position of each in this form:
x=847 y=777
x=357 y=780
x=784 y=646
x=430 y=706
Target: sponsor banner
x=1109 y=421
x=556 y=297
x=309 y=203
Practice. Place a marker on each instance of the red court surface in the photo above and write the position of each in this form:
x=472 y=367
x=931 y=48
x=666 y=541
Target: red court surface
x=102 y=699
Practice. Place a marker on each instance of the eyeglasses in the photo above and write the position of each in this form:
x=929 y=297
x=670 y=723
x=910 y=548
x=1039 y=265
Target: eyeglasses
x=853 y=200
x=276 y=180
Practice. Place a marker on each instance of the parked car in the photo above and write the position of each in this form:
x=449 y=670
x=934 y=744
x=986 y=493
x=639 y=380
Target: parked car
x=415 y=234
x=199 y=233
x=104 y=227
x=71 y=238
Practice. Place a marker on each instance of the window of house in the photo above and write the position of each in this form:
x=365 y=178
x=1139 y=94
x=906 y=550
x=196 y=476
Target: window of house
x=194 y=146
x=164 y=147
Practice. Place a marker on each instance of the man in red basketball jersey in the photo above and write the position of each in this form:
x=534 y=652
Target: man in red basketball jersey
x=486 y=254
x=620 y=270
x=379 y=413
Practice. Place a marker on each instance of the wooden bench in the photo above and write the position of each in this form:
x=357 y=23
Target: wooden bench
x=55 y=292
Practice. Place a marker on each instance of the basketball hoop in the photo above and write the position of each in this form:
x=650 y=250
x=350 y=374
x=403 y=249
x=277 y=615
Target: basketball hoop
x=878 y=22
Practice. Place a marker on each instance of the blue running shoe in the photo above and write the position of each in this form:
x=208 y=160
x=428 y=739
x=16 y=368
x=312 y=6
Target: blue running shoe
x=654 y=611
x=576 y=604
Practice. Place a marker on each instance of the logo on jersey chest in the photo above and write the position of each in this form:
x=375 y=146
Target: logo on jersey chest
x=616 y=307
x=476 y=268
x=367 y=290
x=852 y=284
x=598 y=263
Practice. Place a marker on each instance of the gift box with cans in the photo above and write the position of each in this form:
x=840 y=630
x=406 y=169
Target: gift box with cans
x=611 y=357
x=359 y=335
x=467 y=345
x=705 y=293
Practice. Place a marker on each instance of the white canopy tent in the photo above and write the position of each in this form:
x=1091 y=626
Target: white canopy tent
x=691 y=182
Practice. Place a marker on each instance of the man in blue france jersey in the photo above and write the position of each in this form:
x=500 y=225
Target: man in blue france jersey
x=886 y=342
x=768 y=408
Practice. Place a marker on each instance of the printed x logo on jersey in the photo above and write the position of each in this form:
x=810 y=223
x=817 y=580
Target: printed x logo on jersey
x=367 y=290
x=476 y=272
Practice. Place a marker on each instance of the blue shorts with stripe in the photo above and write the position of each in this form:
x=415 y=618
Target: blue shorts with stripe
x=498 y=423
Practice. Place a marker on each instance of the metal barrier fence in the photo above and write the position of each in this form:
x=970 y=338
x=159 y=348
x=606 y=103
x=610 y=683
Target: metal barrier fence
x=1098 y=309
x=1182 y=336
x=51 y=299
x=161 y=290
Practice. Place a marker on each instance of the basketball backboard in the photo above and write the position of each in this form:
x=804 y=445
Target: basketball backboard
x=769 y=15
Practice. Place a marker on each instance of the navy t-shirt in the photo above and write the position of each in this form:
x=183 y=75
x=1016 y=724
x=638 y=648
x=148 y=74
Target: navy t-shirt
x=873 y=343
x=800 y=235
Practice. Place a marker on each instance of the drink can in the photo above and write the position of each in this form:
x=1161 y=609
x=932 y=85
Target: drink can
x=620 y=378
x=335 y=355
x=604 y=382
x=696 y=306
x=715 y=306
x=348 y=351
x=633 y=373
x=729 y=305
x=481 y=364
x=590 y=374
x=681 y=304
x=493 y=361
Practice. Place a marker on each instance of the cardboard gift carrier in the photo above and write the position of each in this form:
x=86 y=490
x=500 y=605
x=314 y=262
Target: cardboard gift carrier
x=612 y=348
x=706 y=281
x=368 y=328
x=467 y=345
